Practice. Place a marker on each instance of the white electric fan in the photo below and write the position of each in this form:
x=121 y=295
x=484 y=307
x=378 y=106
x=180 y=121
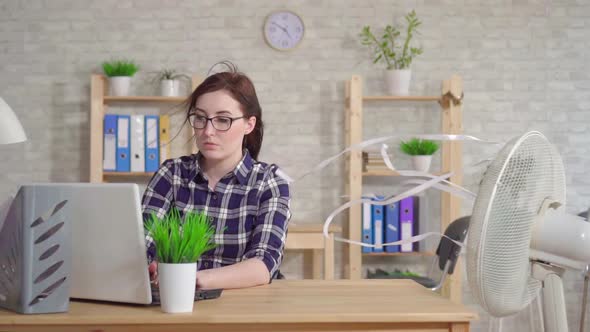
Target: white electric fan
x=520 y=239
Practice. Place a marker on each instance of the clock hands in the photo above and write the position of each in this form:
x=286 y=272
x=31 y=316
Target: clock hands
x=283 y=28
x=275 y=23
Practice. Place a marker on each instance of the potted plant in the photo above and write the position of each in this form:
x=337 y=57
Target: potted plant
x=169 y=82
x=421 y=152
x=119 y=73
x=179 y=241
x=396 y=57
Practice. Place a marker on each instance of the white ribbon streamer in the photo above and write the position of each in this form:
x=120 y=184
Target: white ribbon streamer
x=387 y=201
x=437 y=182
x=369 y=142
x=448 y=186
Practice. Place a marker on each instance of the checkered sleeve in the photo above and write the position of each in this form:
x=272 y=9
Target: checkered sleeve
x=157 y=199
x=270 y=228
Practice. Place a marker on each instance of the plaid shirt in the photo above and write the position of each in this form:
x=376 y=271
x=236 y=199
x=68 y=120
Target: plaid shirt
x=249 y=207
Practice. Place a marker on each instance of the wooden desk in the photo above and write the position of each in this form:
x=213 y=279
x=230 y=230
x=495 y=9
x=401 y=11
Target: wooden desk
x=310 y=236
x=284 y=305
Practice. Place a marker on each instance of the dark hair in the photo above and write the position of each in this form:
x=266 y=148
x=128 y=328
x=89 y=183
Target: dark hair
x=241 y=88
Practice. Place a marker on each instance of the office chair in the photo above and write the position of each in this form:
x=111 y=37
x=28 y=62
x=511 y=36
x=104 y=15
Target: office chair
x=447 y=251
x=447 y=254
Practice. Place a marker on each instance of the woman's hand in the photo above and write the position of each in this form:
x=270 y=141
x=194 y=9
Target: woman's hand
x=203 y=278
x=153 y=270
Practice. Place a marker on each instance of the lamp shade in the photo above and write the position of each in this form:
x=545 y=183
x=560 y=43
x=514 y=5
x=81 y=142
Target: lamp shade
x=11 y=131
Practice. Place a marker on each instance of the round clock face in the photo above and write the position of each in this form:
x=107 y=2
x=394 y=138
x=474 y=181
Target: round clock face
x=283 y=30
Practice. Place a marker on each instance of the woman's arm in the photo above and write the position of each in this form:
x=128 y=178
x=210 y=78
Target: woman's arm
x=264 y=251
x=248 y=273
x=269 y=233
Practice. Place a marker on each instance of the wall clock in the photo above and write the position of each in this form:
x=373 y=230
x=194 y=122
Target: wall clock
x=283 y=30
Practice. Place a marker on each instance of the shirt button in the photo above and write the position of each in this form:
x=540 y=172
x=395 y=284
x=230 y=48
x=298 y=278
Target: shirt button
x=214 y=196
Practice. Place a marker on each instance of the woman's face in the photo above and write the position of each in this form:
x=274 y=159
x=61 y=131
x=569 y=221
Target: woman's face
x=219 y=144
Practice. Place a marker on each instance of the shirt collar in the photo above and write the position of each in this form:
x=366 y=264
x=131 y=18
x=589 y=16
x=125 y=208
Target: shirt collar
x=241 y=172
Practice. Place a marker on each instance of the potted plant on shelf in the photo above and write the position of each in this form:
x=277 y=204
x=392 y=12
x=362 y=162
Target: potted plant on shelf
x=179 y=241
x=119 y=73
x=421 y=152
x=169 y=81
x=396 y=57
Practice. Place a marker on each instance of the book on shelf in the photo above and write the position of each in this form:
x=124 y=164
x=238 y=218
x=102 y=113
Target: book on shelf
x=373 y=161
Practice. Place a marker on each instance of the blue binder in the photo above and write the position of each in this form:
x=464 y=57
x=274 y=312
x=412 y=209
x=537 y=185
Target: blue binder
x=406 y=221
x=378 y=221
x=109 y=147
x=392 y=219
x=123 y=146
x=367 y=227
x=152 y=140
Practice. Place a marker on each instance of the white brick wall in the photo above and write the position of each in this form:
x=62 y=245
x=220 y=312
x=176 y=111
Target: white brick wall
x=524 y=65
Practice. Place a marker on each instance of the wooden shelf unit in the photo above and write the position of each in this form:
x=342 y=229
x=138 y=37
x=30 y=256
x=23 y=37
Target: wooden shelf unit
x=127 y=174
x=450 y=101
x=99 y=101
x=157 y=99
x=387 y=172
x=401 y=98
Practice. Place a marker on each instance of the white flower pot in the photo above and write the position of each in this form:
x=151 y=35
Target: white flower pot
x=397 y=81
x=177 y=287
x=170 y=88
x=120 y=85
x=421 y=163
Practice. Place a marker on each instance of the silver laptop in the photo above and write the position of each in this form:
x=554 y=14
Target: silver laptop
x=108 y=243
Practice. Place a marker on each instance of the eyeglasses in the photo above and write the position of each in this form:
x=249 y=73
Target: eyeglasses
x=221 y=123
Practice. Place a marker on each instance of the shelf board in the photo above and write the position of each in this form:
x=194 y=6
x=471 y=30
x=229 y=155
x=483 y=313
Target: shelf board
x=381 y=172
x=419 y=253
x=401 y=98
x=157 y=99
x=387 y=172
x=128 y=174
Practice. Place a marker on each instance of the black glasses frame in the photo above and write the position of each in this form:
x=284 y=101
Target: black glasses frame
x=192 y=118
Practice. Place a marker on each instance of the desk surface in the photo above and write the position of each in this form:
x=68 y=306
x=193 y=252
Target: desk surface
x=283 y=302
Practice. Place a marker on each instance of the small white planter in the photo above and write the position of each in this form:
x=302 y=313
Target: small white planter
x=397 y=81
x=170 y=88
x=177 y=287
x=421 y=163
x=120 y=85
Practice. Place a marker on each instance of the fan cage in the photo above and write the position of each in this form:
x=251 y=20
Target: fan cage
x=524 y=173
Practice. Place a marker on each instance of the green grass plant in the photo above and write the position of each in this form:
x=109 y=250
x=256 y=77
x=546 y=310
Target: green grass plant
x=179 y=239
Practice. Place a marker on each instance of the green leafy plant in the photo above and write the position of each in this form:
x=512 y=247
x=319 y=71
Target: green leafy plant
x=395 y=274
x=119 y=68
x=419 y=147
x=406 y=273
x=180 y=240
x=168 y=74
x=387 y=50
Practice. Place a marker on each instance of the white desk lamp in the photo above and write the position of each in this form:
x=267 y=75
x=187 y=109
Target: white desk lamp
x=11 y=131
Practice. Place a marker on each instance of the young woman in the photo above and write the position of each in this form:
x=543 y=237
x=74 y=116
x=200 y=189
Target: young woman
x=247 y=200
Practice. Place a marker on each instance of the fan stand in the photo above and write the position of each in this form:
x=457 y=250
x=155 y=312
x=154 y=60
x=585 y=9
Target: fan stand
x=554 y=313
x=495 y=324
x=584 y=297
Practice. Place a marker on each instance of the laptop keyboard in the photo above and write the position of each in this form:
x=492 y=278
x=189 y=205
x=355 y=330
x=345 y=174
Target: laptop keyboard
x=200 y=294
